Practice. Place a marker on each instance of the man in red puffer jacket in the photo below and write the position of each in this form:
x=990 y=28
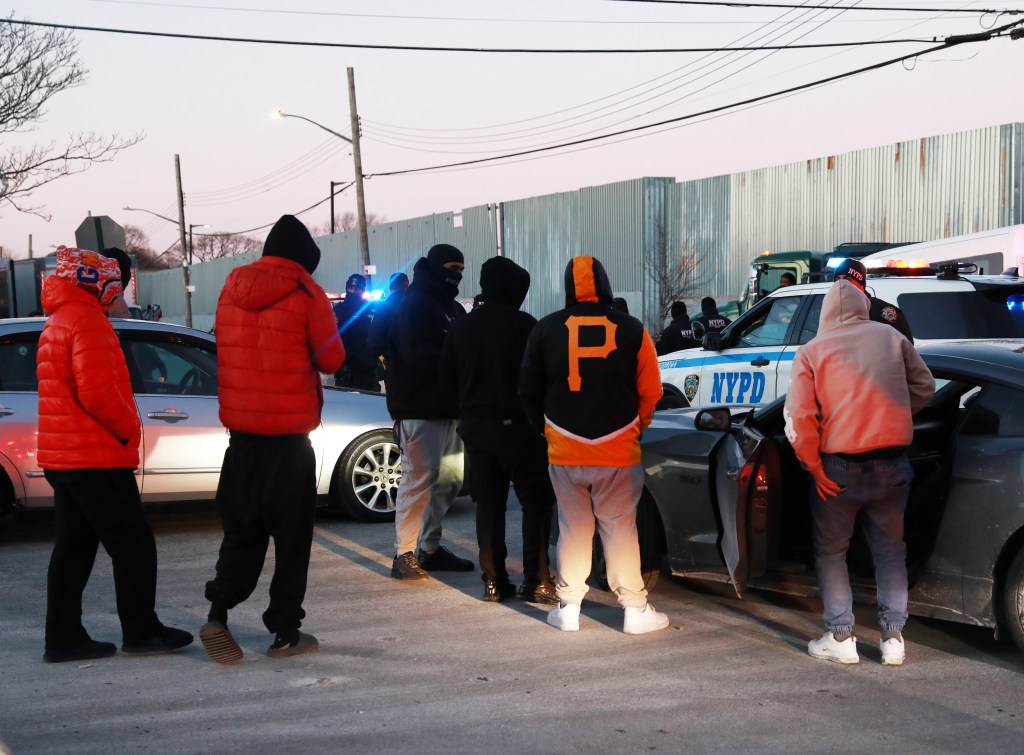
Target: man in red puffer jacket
x=275 y=335
x=89 y=433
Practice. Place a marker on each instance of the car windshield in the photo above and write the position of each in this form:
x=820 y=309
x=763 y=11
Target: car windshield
x=996 y=312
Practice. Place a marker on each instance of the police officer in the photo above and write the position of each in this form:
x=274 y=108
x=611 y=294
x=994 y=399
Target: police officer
x=353 y=318
x=710 y=320
x=679 y=333
x=880 y=311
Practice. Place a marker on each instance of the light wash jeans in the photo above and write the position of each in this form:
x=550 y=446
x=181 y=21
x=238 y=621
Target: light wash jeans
x=880 y=488
x=605 y=497
x=432 y=470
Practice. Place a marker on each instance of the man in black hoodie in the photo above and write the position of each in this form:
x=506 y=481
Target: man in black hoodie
x=352 y=315
x=380 y=325
x=679 y=333
x=709 y=319
x=424 y=412
x=480 y=362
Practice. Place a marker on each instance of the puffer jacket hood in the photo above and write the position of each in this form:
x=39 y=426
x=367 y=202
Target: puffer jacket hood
x=265 y=282
x=290 y=239
x=844 y=303
x=502 y=281
x=586 y=281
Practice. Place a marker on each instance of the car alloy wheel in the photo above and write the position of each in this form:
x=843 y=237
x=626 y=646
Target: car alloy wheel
x=365 y=484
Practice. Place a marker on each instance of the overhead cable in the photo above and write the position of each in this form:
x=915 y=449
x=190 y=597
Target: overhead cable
x=437 y=48
x=950 y=42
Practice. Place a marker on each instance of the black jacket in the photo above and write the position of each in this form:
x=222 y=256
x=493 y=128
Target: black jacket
x=415 y=338
x=380 y=325
x=353 y=318
x=483 y=353
x=883 y=311
x=678 y=335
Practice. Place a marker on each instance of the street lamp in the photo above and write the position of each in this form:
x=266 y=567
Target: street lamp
x=190 y=227
x=364 y=241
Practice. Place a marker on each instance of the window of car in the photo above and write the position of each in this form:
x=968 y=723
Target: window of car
x=998 y=410
x=770 y=326
x=162 y=363
x=810 y=327
x=18 y=364
x=982 y=313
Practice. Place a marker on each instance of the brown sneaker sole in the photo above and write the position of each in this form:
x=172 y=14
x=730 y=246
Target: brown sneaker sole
x=307 y=644
x=219 y=644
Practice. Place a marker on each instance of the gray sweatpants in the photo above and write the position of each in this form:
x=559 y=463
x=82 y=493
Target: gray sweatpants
x=605 y=497
x=432 y=470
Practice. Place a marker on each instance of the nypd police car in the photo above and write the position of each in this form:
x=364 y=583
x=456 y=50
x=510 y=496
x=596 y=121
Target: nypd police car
x=749 y=362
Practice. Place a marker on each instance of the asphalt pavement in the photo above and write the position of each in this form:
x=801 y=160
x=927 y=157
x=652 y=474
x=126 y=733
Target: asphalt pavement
x=430 y=668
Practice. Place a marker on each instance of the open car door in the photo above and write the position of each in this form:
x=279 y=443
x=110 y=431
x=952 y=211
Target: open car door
x=748 y=486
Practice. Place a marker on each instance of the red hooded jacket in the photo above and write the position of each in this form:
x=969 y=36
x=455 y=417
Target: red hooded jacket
x=87 y=413
x=275 y=334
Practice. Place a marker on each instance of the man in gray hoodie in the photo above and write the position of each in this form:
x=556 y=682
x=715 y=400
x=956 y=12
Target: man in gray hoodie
x=849 y=415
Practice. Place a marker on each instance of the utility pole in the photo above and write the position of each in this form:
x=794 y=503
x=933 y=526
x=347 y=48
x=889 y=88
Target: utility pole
x=184 y=249
x=364 y=241
x=30 y=246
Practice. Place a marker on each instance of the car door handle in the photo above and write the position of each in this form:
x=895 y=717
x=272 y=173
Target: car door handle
x=168 y=415
x=760 y=362
x=732 y=474
x=5 y=412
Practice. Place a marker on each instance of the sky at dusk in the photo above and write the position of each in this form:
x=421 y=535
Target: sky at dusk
x=210 y=101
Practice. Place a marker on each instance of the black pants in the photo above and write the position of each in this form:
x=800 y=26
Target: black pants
x=501 y=451
x=267 y=490
x=94 y=506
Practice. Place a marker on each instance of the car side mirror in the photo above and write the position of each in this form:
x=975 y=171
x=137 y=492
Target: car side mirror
x=717 y=418
x=713 y=341
x=698 y=330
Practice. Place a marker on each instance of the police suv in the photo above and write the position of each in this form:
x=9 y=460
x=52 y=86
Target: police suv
x=749 y=362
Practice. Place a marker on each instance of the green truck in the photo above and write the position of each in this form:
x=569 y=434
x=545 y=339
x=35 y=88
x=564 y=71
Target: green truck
x=806 y=267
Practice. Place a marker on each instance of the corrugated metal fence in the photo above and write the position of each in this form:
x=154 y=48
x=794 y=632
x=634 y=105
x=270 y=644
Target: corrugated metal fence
x=914 y=190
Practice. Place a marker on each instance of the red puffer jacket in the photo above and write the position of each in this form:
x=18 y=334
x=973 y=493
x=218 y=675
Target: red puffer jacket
x=275 y=334
x=87 y=413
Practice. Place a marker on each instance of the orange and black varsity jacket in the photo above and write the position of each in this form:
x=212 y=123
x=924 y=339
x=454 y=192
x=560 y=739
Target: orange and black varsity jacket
x=590 y=375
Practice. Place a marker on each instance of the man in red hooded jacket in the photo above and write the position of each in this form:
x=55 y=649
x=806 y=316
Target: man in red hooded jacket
x=275 y=335
x=89 y=433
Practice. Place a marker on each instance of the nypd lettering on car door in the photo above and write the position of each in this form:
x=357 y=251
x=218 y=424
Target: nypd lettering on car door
x=742 y=376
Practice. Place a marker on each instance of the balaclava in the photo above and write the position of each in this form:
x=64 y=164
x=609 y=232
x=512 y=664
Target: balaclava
x=439 y=256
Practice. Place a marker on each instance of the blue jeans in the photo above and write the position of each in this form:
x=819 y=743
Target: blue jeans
x=880 y=488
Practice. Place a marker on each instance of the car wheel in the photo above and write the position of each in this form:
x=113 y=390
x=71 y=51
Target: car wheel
x=652 y=547
x=671 y=399
x=1013 y=600
x=365 y=484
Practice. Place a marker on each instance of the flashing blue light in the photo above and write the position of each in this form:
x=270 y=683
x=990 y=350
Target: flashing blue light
x=376 y=295
x=833 y=262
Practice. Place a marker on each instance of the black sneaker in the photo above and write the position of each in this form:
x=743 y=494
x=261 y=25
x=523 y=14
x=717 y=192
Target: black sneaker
x=539 y=592
x=497 y=591
x=166 y=640
x=405 y=566
x=444 y=560
x=87 y=651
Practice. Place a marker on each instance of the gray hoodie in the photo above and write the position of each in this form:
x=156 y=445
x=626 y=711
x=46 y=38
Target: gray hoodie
x=856 y=386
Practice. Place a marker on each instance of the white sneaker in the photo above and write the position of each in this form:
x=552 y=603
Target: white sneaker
x=893 y=651
x=643 y=620
x=827 y=648
x=565 y=617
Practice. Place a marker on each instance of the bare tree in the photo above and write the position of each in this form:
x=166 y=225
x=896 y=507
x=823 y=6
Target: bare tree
x=212 y=246
x=678 y=273
x=37 y=64
x=137 y=243
x=346 y=221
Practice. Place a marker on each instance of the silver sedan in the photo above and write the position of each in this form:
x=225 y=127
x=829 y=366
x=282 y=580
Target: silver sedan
x=174 y=376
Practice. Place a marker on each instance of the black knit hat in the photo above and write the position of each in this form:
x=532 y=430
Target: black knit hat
x=355 y=282
x=290 y=239
x=442 y=254
x=854 y=271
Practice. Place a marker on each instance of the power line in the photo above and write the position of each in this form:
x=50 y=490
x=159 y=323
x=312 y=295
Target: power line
x=951 y=41
x=405 y=17
x=300 y=212
x=435 y=48
x=729 y=4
